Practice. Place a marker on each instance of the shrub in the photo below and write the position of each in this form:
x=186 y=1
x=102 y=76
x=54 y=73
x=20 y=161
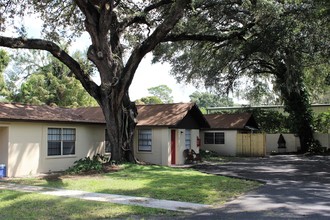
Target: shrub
x=322 y=122
x=316 y=148
x=87 y=164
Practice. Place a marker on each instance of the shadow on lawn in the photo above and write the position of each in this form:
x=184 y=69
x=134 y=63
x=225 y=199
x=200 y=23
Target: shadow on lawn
x=180 y=185
x=19 y=205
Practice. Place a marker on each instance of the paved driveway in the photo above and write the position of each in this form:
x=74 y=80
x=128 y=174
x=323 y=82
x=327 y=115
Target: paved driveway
x=297 y=187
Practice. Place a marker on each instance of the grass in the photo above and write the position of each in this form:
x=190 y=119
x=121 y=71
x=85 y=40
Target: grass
x=18 y=205
x=156 y=182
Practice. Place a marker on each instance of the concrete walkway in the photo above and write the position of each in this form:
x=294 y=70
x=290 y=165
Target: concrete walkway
x=102 y=197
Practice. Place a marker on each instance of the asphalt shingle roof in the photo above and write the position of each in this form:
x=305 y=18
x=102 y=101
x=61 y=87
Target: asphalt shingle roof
x=229 y=121
x=149 y=115
x=14 y=111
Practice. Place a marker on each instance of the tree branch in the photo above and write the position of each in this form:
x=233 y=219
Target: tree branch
x=174 y=15
x=140 y=18
x=92 y=19
x=157 y=5
x=56 y=51
x=205 y=37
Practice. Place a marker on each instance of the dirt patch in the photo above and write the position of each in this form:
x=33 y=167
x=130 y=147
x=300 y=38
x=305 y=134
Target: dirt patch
x=57 y=176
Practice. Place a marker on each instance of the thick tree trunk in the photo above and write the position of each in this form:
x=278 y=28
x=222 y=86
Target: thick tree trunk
x=291 y=83
x=301 y=118
x=106 y=53
x=120 y=122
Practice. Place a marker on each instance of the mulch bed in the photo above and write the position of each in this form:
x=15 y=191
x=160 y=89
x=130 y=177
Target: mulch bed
x=107 y=168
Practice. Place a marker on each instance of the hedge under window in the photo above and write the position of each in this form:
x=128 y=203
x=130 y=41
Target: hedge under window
x=61 y=141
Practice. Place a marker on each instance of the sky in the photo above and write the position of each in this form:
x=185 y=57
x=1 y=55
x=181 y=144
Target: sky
x=150 y=75
x=147 y=75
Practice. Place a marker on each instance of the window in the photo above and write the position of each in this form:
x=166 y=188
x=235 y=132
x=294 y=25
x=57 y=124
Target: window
x=188 y=139
x=107 y=143
x=61 y=141
x=145 y=140
x=214 y=138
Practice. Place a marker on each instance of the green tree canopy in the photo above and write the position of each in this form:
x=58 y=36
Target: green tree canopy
x=4 y=61
x=206 y=99
x=122 y=32
x=149 y=100
x=285 y=38
x=163 y=92
x=46 y=82
x=46 y=88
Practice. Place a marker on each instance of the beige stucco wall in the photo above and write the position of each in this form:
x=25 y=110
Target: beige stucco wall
x=23 y=146
x=323 y=138
x=161 y=146
x=27 y=149
x=181 y=145
x=159 y=150
x=227 y=149
x=25 y=141
x=292 y=143
x=89 y=141
x=3 y=144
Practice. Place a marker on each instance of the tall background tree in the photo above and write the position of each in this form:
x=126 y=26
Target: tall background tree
x=148 y=100
x=207 y=99
x=39 y=78
x=214 y=41
x=285 y=39
x=159 y=95
x=4 y=61
x=163 y=92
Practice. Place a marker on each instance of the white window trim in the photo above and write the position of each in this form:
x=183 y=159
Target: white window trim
x=214 y=132
x=185 y=139
x=61 y=155
x=138 y=141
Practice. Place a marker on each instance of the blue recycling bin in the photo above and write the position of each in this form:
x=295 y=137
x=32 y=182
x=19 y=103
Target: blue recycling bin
x=2 y=170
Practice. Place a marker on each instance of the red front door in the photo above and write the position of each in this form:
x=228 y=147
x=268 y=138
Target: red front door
x=173 y=148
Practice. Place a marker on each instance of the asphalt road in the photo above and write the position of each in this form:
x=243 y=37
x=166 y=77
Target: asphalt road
x=297 y=187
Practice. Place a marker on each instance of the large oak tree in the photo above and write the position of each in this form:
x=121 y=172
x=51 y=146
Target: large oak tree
x=122 y=32
x=285 y=39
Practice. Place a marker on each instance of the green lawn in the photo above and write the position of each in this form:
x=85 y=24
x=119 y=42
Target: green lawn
x=150 y=181
x=158 y=182
x=32 y=206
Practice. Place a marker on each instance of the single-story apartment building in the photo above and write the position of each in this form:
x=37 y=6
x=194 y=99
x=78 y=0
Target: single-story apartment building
x=224 y=129
x=38 y=139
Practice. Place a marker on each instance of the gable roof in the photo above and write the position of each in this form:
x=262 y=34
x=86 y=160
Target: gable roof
x=184 y=115
x=237 y=121
x=170 y=115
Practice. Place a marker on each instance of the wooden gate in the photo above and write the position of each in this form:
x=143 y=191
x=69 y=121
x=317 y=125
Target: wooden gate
x=251 y=145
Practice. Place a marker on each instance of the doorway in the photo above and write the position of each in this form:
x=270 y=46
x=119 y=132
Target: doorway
x=173 y=146
x=4 y=136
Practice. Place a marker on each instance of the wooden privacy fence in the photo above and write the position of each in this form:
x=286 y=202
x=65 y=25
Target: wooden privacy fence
x=251 y=145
